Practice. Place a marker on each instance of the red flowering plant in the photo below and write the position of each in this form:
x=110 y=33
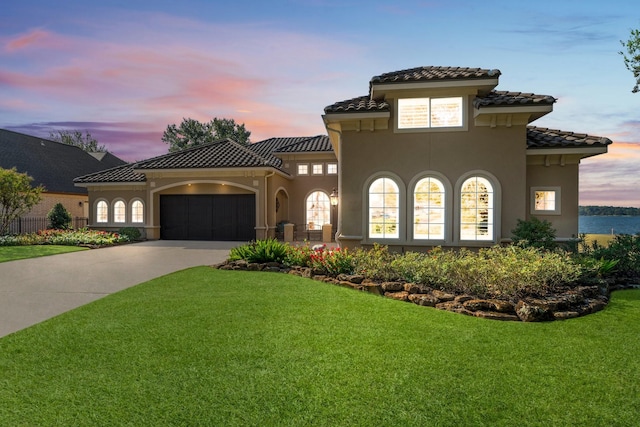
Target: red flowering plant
x=333 y=262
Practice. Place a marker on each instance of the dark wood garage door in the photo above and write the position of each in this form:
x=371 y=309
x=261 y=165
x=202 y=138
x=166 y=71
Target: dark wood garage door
x=208 y=217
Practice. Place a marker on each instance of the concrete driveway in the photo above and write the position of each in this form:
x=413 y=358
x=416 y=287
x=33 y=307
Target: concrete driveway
x=37 y=289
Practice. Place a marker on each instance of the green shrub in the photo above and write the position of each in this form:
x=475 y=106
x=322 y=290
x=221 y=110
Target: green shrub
x=534 y=233
x=132 y=233
x=59 y=217
x=82 y=236
x=374 y=263
x=261 y=251
x=624 y=249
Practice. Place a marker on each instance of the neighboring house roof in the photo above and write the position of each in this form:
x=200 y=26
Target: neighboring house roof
x=431 y=73
x=220 y=154
x=51 y=164
x=553 y=138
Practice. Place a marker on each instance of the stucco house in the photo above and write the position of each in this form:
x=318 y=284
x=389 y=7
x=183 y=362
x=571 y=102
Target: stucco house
x=429 y=156
x=53 y=165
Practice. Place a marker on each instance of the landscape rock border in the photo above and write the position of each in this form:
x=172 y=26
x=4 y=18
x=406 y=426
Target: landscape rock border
x=570 y=302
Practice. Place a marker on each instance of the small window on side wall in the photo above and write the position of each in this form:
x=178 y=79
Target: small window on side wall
x=545 y=200
x=317 y=169
x=332 y=168
x=303 y=169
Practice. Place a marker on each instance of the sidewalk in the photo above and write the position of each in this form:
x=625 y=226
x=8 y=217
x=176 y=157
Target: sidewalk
x=33 y=290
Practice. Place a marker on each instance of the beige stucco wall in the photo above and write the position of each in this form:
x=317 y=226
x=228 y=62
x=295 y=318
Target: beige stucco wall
x=498 y=151
x=565 y=176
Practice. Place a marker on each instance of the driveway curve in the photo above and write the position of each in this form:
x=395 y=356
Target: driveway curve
x=33 y=290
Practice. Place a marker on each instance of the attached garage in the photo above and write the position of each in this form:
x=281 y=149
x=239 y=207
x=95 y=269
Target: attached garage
x=225 y=217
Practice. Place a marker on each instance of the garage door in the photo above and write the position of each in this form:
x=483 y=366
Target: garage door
x=208 y=217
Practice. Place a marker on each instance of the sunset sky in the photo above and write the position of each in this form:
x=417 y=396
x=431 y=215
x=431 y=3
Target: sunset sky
x=125 y=69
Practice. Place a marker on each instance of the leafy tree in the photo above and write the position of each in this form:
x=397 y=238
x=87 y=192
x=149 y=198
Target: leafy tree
x=192 y=133
x=59 y=217
x=632 y=56
x=76 y=138
x=17 y=196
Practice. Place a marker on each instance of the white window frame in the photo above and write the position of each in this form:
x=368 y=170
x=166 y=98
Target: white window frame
x=119 y=211
x=442 y=210
x=557 y=202
x=137 y=217
x=490 y=214
x=332 y=168
x=317 y=209
x=393 y=228
x=303 y=168
x=317 y=169
x=423 y=114
x=102 y=212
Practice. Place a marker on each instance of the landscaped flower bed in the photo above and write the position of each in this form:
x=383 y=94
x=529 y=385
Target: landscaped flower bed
x=506 y=283
x=81 y=237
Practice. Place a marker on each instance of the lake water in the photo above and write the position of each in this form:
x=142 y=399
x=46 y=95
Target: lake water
x=609 y=224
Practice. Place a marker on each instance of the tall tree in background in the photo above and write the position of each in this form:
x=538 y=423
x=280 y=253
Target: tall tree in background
x=632 y=56
x=17 y=196
x=192 y=133
x=78 y=139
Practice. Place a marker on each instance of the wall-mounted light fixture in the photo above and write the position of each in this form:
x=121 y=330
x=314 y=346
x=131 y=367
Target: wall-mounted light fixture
x=333 y=197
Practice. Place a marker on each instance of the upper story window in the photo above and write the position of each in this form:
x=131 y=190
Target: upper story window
x=545 y=200
x=119 y=211
x=303 y=169
x=332 y=168
x=317 y=169
x=384 y=209
x=426 y=113
x=137 y=211
x=476 y=209
x=429 y=209
x=102 y=211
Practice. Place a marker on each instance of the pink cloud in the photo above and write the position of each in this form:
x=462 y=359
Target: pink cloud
x=33 y=39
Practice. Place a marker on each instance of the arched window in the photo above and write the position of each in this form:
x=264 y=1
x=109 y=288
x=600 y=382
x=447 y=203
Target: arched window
x=119 y=211
x=429 y=209
x=318 y=209
x=102 y=211
x=137 y=211
x=384 y=209
x=476 y=209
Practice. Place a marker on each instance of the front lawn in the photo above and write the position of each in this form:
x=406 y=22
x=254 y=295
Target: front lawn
x=11 y=253
x=211 y=347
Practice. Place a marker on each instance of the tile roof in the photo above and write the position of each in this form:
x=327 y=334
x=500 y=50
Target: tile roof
x=123 y=173
x=315 y=144
x=434 y=74
x=52 y=164
x=505 y=98
x=219 y=154
x=553 y=138
x=357 y=105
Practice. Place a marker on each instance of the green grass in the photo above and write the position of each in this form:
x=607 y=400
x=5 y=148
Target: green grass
x=211 y=347
x=11 y=253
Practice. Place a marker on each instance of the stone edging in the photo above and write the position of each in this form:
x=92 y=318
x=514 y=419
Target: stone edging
x=572 y=302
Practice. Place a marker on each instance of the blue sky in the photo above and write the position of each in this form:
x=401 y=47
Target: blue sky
x=124 y=70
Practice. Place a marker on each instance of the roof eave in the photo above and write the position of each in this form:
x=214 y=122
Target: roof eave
x=353 y=115
x=484 y=83
x=584 y=151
